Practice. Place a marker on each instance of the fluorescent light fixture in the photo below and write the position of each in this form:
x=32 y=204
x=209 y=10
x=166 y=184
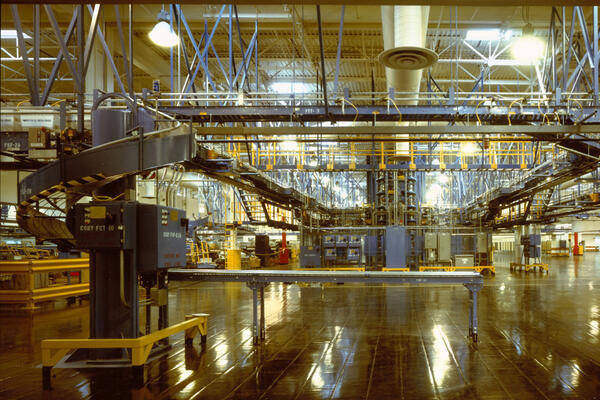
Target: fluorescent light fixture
x=488 y=34
x=289 y=87
x=162 y=34
x=528 y=49
x=11 y=34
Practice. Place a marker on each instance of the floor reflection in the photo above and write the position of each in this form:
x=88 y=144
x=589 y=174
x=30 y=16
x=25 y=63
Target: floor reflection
x=539 y=338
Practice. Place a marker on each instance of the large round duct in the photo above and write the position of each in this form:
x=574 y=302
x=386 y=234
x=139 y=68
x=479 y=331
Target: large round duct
x=404 y=31
x=408 y=57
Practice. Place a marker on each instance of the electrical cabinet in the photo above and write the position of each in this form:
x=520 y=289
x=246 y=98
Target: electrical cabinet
x=353 y=254
x=104 y=225
x=310 y=256
x=341 y=240
x=354 y=241
x=430 y=240
x=482 y=242
x=329 y=241
x=330 y=254
x=395 y=247
x=464 y=260
x=444 y=246
x=161 y=237
x=156 y=233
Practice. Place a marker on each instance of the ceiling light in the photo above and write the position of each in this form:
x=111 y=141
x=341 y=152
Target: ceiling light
x=289 y=87
x=443 y=179
x=528 y=48
x=488 y=34
x=162 y=34
x=289 y=145
x=11 y=34
x=469 y=148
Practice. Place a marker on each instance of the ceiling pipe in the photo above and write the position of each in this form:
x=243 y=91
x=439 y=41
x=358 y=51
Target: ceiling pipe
x=404 y=54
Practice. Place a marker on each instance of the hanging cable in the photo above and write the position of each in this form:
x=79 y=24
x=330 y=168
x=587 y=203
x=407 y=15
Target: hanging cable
x=353 y=106
x=396 y=107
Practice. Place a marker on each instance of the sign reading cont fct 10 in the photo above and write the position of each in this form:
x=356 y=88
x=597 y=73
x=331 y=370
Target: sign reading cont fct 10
x=156 y=234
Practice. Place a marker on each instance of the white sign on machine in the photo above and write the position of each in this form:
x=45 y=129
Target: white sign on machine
x=37 y=120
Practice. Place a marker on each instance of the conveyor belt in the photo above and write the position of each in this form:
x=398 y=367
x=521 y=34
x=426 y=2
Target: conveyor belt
x=257 y=280
x=250 y=276
x=81 y=174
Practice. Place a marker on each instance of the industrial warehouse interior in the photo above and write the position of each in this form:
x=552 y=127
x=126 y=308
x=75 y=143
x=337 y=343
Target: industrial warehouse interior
x=312 y=200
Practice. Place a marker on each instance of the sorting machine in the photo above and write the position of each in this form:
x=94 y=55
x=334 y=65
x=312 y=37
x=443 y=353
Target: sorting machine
x=399 y=247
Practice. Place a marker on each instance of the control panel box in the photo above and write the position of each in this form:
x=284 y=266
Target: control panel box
x=444 y=246
x=430 y=240
x=354 y=240
x=482 y=242
x=353 y=254
x=341 y=240
x=104 y=225
x=330 y=254
x=464 y=260
x=329 y=241
x=396 y=247
x=156 y=233
x=161 y=237
x=310 y=256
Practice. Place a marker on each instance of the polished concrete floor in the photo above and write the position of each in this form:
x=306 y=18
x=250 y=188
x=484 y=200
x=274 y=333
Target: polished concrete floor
x=539 y=339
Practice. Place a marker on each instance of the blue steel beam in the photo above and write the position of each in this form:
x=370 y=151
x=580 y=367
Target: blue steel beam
x=206 y=48
x=196 y=49
x=109 y=57
x=339 y=53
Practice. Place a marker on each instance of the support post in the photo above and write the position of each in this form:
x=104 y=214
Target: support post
x=255 y=328
x=323 y=76
x=262 y=313
x=473 y=322
x=258 y=324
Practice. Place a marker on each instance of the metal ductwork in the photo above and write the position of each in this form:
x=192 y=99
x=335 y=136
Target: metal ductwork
x=405 y=56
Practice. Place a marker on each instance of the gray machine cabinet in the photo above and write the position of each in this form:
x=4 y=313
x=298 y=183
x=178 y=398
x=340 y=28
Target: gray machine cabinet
x=482 y=242
x=156 y=233
x=430 y=240
x=464 y=260
x=395 y=247
x=444 y=246
x=161 y=237
x=104 y=225
x=310 y=256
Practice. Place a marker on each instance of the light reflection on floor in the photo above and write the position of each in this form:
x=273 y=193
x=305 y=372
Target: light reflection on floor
x=539 y=338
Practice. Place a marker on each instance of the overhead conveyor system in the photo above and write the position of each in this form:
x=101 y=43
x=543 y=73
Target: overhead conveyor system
x=303 y=113
x=79 y=175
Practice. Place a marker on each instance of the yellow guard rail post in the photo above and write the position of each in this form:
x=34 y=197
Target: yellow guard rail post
x=53 y=350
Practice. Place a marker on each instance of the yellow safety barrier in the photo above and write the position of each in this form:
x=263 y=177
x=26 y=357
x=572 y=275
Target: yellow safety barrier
x=559 y=252
x=53 y=350
x=362 y=269
x=29 y=286
x=395 y=269
x=528 y=267
x=452 y=268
